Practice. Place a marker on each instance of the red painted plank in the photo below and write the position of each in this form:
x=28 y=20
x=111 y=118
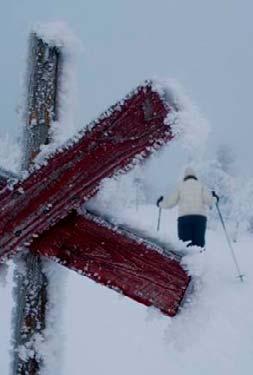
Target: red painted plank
x=117 y=259
x=73 y=175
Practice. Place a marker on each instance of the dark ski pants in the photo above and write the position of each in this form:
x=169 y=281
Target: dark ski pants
x=192 y=228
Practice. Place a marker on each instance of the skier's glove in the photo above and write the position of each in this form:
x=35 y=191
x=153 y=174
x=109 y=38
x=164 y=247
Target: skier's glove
x=159 y=200
x=215 y=196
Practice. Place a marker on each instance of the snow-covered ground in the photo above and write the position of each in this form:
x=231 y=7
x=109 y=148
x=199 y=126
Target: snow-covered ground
x=213 y=333
x=103 y=332
x=107 y=333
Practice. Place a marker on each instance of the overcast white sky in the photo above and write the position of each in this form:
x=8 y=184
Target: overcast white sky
x=206 y=45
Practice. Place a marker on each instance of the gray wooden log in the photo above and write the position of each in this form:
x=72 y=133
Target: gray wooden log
x=31 y=295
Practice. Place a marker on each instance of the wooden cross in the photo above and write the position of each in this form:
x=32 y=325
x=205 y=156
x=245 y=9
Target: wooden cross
x=39 y=212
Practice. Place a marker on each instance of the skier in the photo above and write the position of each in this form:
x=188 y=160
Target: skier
x=193 y=199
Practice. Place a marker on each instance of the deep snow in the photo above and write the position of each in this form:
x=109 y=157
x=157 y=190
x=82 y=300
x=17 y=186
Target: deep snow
x=105 y=332
x=212 y=334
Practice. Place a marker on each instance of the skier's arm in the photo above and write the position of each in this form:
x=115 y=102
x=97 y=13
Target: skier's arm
x=208 y=198
x=170 y=201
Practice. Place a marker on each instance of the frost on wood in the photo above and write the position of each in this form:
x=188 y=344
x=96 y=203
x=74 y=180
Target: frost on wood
x=58 y=35
x=118 y=259
x=121 y=138
x=53 y=51
x=7 y=178
x=31 y=295
x=29 y=314
x=152 y=115
x=41 y=106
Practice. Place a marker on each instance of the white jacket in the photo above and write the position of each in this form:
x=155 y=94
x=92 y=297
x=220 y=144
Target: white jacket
x=192 y=198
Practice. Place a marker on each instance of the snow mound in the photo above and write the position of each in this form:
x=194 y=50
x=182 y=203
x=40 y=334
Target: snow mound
x=189 y=124
x=212 y=334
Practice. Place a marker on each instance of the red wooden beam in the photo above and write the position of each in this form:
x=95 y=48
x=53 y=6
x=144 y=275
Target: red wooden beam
x=72 y=175
x=117 y=259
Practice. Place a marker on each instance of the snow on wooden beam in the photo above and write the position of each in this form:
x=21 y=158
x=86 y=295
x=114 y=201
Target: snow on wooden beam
x=124 y=135
x=118 y=259
x=5 y=177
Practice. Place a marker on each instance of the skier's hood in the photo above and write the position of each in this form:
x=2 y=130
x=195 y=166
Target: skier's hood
x=189 y=171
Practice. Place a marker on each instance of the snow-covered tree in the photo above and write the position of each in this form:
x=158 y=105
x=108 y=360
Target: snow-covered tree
x=226 y=158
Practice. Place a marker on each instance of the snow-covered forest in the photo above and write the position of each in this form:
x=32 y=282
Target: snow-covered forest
x=108 y=50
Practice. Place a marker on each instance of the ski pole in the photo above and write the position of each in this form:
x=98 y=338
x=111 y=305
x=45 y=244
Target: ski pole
x=240 y=275
x=159 y=219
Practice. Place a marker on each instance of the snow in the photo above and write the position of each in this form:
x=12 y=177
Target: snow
x=103 y=331
x=52 y=347
x=10 y=152
x=213 y=331
x=96 y=330
x=212 y=334
x=189 y=123
x=57 y=33
x=3 y=274
x=5 y=323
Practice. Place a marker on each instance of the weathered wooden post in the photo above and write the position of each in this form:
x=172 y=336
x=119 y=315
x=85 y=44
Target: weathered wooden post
x=31 y=283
